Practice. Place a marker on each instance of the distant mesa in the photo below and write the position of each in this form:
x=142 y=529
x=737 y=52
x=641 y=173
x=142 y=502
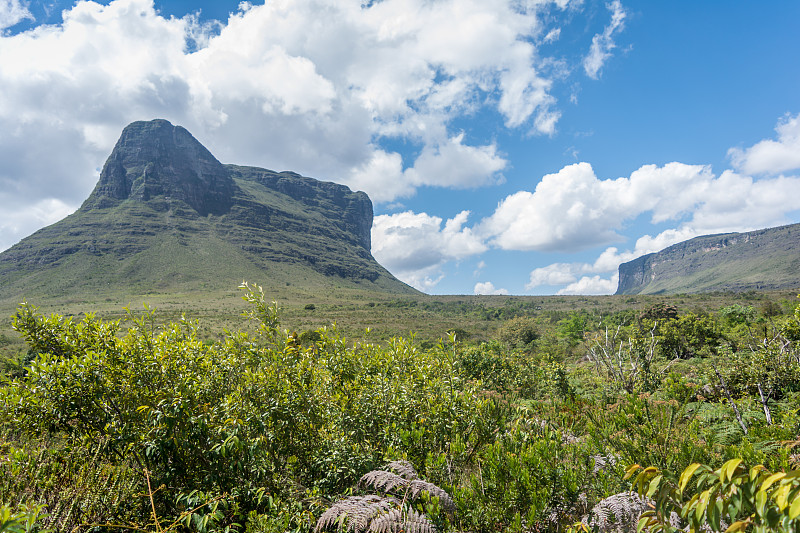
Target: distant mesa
x=166 y=215
x=767 y=259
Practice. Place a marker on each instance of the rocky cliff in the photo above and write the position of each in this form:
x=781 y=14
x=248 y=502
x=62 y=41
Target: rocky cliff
x=156 y=159
x=767 y=259
x=166 y=215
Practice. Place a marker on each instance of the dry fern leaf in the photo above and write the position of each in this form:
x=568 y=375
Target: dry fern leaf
x=389 y=482
x=604 y=462
x=405 y=520
x=383 y=481
x=402 y=468
x=418 y=486
x=355 y=513
x=618 y=513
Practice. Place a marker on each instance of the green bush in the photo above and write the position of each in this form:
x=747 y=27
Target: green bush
x=731 y=498
x=519 y=332
x=225 y=422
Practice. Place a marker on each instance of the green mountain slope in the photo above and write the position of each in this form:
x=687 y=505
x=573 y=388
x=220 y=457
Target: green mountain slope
x=166 y=216
x=767 y=259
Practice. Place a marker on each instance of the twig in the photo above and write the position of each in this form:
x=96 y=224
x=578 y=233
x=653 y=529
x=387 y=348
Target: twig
x=730 y=399
x=764 y=403
x=152 y=503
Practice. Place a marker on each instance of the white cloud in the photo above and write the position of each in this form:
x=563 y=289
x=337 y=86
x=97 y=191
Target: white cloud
x=315 y=86
x=592 y=285
x=414 y=246
x=573 y=209
x=488 y=288
x=603 y=43
x=742 y=203
x=699 y=202
x=12 y=12
x=454 y=164
x=555 y=274
x=769 y=156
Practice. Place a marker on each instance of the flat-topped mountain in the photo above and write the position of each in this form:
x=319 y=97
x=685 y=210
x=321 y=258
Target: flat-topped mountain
x=166 y=215
x=767 y=259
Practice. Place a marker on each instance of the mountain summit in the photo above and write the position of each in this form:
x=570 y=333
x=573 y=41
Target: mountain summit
x=167 y=216
x=158 y=159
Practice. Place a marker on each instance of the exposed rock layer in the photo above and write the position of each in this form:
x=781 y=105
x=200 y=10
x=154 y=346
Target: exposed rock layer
x=166 y=214
x=767 y=259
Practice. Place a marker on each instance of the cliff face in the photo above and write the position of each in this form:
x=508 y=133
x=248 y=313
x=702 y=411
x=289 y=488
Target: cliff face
x=350 y=212
x=165 y=212
x=156 y=159
x=767 y=259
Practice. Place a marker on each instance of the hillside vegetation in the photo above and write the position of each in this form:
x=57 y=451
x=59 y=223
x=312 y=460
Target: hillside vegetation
x=767 y=259
x=167 y=218
x=139 y=424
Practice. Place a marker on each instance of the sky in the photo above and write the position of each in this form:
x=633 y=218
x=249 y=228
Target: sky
x=508 y=146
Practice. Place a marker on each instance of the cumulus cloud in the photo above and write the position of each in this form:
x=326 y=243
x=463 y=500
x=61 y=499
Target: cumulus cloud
x=603 y=43
x=577 y=276
x=454 y=164
x=693 y=198
x=573 y=209
x=592 y=285
x=554 y=274
x=772 y=156
x=414 y=246
x=488 y=288
x=315 y=86
x=19 y=222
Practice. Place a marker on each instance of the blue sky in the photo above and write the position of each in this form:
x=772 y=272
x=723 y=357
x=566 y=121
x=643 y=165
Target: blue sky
x=509 y=146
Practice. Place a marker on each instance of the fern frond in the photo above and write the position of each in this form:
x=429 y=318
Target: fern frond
x=418 y=486
x=383 y=481
x=603 y=462
x=355 y=513
x=617 y=514
x=402 y=468
x=389 y=482
x=405 y=520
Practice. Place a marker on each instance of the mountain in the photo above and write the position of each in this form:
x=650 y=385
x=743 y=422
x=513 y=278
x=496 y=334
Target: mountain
x=167 y=216
x=767 y=259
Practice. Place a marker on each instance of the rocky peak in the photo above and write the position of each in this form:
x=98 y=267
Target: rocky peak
x=158 y=160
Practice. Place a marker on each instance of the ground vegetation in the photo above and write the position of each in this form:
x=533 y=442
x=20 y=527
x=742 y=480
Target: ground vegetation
x=651 y=414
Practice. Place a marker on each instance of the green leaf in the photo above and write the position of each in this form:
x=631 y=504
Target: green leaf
x=781 y=496
x=728 y=469
x=630 y=471
x=739 y=525
x=687 y=474
x=654 y=485
x=715 y=514
x=702 y=503
x=761 y=501
x=755 y=471
x=794 y=509
x=772 y=479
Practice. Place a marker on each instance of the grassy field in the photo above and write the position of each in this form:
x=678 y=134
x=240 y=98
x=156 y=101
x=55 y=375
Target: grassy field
x=530 y=432
x=374 y=316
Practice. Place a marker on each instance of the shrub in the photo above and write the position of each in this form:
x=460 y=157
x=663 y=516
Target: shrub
x=519 y=332
x=731 y=498
x=225 y=422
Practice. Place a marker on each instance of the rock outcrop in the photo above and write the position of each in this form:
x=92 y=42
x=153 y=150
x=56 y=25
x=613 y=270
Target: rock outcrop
x=166 y=214
x=767 y=259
